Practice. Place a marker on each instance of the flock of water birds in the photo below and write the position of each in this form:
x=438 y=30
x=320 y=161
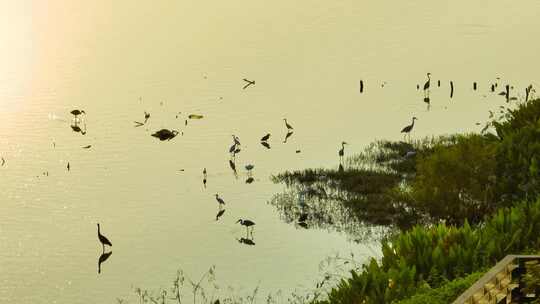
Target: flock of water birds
x=78 y=125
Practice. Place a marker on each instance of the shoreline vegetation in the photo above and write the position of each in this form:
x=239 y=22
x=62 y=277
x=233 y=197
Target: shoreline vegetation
x=445 y=210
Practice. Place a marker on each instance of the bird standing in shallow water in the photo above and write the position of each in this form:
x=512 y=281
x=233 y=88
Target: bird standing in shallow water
x=247 y=224
x=426 y=85
x=289 y=127
x=102 y=239
x=266 y=137
x=341 y=151
x=219 y=200
x=409 y=128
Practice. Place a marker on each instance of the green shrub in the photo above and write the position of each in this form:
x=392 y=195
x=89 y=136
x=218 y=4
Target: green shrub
x=447 y=293
x=433 y=255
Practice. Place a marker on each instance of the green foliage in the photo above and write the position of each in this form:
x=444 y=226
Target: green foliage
x=456 y=182
x=518 y=164
x=444 y=294
x=433 y=255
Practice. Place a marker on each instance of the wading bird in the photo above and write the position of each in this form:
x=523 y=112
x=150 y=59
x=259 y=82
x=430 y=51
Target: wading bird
x=236 y=140
x=102 y=239
x=426 y=85
x=409 y=128
x=146 y=116
x=361 y=86
x=289 y=127
x=246 y=223
x=219 y=200
x=451 y=89
x=341 y=151
x=266 y=137
x=250 y=167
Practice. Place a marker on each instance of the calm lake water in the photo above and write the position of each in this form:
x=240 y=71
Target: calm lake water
x=117 y=59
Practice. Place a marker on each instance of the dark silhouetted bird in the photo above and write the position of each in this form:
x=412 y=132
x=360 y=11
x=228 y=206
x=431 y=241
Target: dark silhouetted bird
x=165 y=134
x=249 y=82
x=77 y=112
x=219 y=200
x=146 y=116
x=250 y=180
x=102 y=239
x=265 y=144
x=409 y=128
x=341 y=151
x=266 y=137
x=246 y=223
x=426 y=85
x=289 y=127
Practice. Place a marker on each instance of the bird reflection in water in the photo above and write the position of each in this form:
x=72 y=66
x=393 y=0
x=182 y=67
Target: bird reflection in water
x=77 y=129
x=233 y=167
x=289 y=134
x=246 y=241
x=220 y=213
x=102 y=258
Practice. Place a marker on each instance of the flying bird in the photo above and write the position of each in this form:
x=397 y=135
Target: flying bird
x=77 y=112
x=249 y=82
